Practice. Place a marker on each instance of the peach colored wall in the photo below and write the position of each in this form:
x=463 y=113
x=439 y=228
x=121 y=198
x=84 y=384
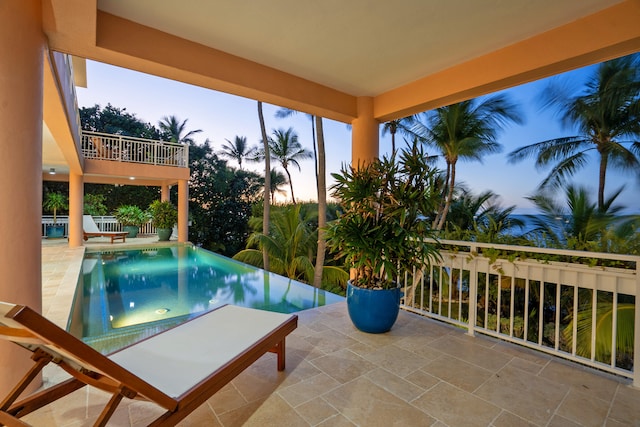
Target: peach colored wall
x=183 y=210
x=22 y=47
x=164 y=192
x=76 y=206
x=137 y=170
x=55 y=116
x=365 y=139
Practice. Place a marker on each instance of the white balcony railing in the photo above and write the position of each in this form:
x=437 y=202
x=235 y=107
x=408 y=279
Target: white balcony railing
x=119 y=148
x=104 y=223
x=502 y=291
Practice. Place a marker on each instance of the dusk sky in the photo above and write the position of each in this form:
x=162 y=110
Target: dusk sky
x=222 y=116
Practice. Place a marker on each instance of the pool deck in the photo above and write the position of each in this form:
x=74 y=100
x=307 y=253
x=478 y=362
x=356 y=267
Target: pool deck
x=421 y=373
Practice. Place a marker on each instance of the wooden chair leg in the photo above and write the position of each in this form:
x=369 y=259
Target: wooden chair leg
x=280 y=351
x=41 y=359
x=108 y=410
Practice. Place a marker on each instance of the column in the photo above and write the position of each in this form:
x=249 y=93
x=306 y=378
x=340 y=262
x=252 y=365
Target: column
x=164 y=192
x=183 y=210
x=76 y=207
x=365 y=136
x=22 y=47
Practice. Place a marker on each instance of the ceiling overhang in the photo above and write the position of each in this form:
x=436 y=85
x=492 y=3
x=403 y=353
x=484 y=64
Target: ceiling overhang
x=312 y=67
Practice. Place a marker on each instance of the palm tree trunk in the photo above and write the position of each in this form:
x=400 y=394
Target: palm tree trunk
x=443 y=198
x=315 y=151
x=393 y=142
x=322 y=206
x=293 y=199
x=604 y=159
x=447 y=202
x=267 y=186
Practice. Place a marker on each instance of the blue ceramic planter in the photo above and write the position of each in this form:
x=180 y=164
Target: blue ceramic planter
x=55 y=231
x=131 y=229
x=373 y=311
x=164 y=234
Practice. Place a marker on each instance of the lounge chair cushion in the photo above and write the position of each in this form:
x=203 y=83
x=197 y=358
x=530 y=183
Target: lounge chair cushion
x=207 y=344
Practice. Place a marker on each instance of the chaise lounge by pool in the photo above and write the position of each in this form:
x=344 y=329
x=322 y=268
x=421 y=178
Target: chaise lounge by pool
x=124 y=296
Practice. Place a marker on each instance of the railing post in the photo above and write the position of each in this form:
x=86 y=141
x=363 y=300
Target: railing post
x=473 y=290
x=155 y=153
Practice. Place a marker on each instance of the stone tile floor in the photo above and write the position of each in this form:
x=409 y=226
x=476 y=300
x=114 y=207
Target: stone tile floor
x=421 y=373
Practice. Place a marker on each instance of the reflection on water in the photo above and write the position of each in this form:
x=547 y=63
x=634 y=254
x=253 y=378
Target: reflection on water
x=148 y=288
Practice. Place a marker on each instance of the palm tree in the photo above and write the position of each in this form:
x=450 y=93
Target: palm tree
x=321 y=185
x=393 y=126
x=286 y=112
x=174 y=130
x=607 y=116
x=579 y=225
x=285 y=148
x=466 y=130
x=481 y=216
x=237 y=150
x=290 y=245
x=277 y=180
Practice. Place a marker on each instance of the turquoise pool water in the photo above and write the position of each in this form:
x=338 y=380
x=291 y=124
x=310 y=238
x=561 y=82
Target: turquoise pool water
x=124 y=296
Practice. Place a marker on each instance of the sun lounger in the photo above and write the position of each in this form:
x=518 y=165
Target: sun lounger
x=90 y=229
x=178 y=369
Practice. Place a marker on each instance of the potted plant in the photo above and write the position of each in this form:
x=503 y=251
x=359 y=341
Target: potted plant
x=381 y=232
x=131 y=217
x=52 y=202
x=163 y=216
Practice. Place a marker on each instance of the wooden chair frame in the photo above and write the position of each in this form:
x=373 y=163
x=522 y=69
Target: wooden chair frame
x=49 y=343
x=114 y=235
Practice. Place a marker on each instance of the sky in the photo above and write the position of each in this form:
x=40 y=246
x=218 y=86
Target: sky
x=222 y=117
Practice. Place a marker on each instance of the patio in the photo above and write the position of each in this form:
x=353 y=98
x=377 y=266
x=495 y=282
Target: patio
x=421 y=373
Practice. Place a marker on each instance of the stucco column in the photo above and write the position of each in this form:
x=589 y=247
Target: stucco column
x=365 y=135
x=76 y=206
x=183 y=210
x=164 y=192
x=22 y=47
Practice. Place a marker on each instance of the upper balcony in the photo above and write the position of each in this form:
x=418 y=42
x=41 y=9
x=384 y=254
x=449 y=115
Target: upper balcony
x=127 y=149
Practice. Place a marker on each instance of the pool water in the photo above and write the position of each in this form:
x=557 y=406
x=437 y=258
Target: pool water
x=124 y=296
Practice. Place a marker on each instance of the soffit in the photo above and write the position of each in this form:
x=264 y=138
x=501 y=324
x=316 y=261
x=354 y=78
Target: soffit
x=360 y=47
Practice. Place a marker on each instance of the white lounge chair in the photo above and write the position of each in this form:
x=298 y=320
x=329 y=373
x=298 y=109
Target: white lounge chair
x=178 y=369
x=90 y=229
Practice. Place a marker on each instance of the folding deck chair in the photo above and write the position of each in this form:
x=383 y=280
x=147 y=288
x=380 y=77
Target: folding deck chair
x=90 y=229
x=178 y=369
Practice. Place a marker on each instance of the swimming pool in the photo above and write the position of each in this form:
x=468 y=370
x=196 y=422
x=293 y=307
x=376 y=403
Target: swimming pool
x=124 y=296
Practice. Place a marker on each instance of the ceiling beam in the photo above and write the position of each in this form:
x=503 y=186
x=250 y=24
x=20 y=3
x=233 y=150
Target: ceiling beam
x=131 y=45
x=604 y=35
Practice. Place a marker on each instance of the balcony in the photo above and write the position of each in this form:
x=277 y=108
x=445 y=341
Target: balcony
x=127 y=149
